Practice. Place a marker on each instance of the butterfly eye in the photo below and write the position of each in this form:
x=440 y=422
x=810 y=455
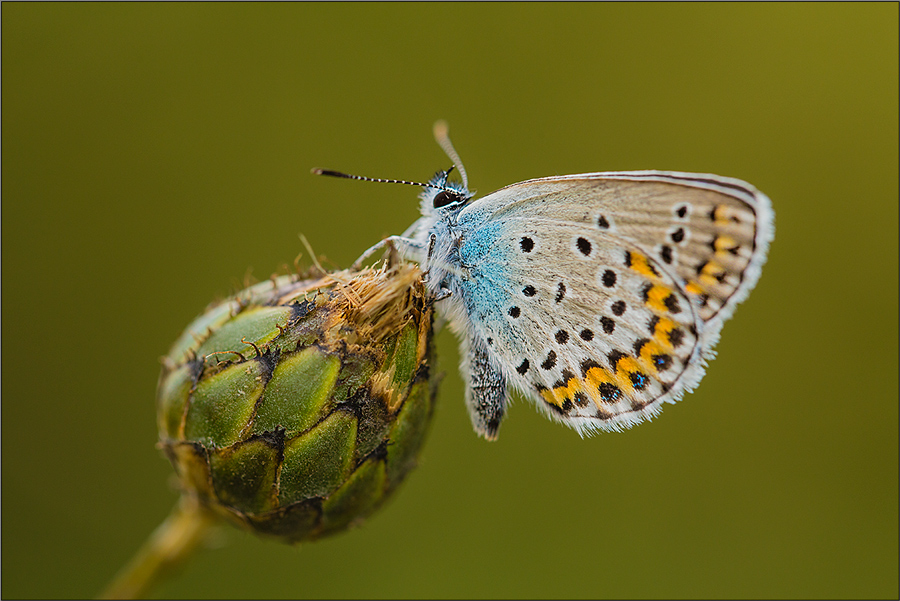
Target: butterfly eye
x=445 y=197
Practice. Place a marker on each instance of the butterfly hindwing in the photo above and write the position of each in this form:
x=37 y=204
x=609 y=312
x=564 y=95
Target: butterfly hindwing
x=599 y=295
x=597 y=334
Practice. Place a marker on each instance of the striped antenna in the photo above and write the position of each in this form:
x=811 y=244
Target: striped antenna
x=377 y=179
x=441 y=135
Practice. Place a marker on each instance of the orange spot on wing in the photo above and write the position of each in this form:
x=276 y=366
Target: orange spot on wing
x=710 y=273
x=662 y=330
x=647 y=351
x=624 y=368
x=721 y=215
x=723 y=244
x=550 y=397
x=594 y=377
x=562 y=393
x=693 y=287
x=641 y=264
x=656 y=297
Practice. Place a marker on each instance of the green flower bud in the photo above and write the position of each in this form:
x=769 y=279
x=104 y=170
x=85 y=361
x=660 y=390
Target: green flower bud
x=296 y=407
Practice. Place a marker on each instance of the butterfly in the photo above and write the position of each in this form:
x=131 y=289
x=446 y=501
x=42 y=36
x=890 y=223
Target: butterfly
x=598 y=296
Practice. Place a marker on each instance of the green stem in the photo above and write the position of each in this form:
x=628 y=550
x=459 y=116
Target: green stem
x=169 y=545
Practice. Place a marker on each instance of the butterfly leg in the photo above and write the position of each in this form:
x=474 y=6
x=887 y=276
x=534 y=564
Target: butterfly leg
x=443 y=293
x=406 y=246
x=486 y=391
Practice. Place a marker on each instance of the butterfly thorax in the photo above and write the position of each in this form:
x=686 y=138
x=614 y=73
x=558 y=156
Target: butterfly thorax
x=442 y=239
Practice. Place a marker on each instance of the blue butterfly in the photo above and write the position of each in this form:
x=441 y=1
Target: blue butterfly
x=598 y=296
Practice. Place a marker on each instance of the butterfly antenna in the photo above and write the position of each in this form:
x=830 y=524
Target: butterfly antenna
x=373 y=179
x=443 y=139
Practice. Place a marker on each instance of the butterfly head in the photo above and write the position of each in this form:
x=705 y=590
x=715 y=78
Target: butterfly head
x=441 y=193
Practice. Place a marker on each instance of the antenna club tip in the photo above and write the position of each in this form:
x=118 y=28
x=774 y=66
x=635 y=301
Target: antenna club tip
x=315 y=171
x=440 y=128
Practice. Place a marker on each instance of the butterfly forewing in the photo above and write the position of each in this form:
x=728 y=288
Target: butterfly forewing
x=711 y=232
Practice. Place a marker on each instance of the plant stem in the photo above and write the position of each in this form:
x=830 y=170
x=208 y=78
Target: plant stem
x=169 y=545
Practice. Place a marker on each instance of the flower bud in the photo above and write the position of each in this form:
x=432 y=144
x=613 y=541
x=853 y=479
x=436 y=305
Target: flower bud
x=296 y=407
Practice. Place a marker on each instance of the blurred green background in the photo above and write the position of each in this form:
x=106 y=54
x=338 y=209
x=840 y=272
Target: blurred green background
x=154 y=154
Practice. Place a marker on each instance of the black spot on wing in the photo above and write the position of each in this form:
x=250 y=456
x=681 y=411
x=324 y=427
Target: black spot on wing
x=550 y=361
x=614 y=357
x=639 y=380
x=609 y=393
x=584 y=246
x=580 y=399
x=560 y=292
x=609 y=278
x=638 y=345
x=672 y=304
x=662 y=362
x=608 y=325
x=587 y=365
x=665 y=254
